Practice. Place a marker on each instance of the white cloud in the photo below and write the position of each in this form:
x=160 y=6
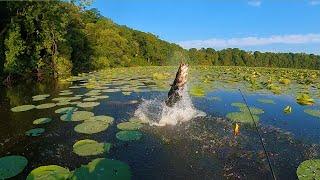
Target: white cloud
x=314 y=2
x=252 y=41
x=255 y=3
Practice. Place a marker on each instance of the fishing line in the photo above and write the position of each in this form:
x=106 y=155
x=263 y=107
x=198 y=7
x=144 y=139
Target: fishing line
x=259 y=134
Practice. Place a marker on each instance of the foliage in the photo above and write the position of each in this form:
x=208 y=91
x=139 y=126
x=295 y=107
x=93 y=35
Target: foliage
x=49 y=172
x=10 y=166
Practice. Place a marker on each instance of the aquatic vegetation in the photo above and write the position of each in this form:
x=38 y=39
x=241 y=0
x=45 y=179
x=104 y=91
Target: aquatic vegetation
x=106 y=119
x=77 y=116
x=88 y=104
x=46 y=106
x=23 y=108
x=65 y=93
x=253 y=110
x=129 y=135
x=91 y=127
x=35 y=132
x=304 y=99
x=103 y=168
x=137 y=120
x=313 y=112
x=50 y=172
x=285 y=81
x=65 y=110
x=126 y=93
x=160 y=76
x=266 y=101
x=129 y=126
x=41 y=121
x=287 y=109
x=90 y=99
x=11 y=166
x=309 y=169
x=197 y=91
x=40 y=97
x=242 y=117
x=239 y=104
x=88 y=147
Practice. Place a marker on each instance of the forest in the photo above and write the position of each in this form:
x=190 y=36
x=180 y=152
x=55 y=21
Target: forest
x=56 y=39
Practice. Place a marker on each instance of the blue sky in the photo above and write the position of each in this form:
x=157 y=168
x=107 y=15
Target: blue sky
x=265 y=25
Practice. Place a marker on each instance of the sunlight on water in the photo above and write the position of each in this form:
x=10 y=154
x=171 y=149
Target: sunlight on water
x=157 y=113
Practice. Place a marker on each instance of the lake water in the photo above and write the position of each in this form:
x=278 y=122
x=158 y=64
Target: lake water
x=204 y=147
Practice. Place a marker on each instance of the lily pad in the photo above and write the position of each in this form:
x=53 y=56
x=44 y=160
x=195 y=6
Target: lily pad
x=35 y=132
x=129 y=126
x=22 y=108
x=197 y=91
x=313 y=112
x=11 y=166
x=41 y=96
x=50 y=172
x=91 y=127
x=304 y=99
x=88 y=104
x=65 y=93
x=42 y=121
x=88 y=147
x=65 y=110
x=77 y=116
x=239 y=104
x=242 y=117
x=137 y=120
x=90 y=99
x=103 y=168
x=107 y=119
x=46 y=106
x=129 y=135
x=309 y=169
x=253 y=110
x=266 y=101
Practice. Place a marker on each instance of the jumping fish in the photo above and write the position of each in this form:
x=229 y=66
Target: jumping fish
x=176 y=90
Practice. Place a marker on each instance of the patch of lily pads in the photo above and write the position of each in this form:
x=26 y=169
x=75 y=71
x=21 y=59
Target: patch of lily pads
x=50 y=172
x=103 y=168
x=11 y=166
x=88 y=104
x=106 y=119
x=65 y=110
x=46 y=106
x=88 y=147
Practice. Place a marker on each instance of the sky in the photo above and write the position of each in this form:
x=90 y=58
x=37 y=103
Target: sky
x=264 y=25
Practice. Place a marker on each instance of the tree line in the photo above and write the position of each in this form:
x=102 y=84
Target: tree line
x=40 y=39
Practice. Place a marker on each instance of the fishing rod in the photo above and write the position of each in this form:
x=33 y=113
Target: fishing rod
x=260 y=137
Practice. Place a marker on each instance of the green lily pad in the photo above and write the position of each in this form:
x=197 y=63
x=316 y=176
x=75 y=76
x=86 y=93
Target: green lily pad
x=103 y=168
x=42 y=121
x=253 y=110
x=242 y=117
x=266 y=101
x=239 y=105
x=287 y=109
x=136 y=120
x=41 y=96
x=65 y=110
x=46 y=106
x=65 y=93
x=106 y=119
x=129 y=126
x=88 y=104
x=35 y=132
x=304 y=99
x=91 y=127
x=77 y=116
x=11 y=166
x=88 y=147
x=126 y=93
x=129 y=135
x=313 y=112
x=51 y=172
x=22 y=108
x=90 y=99
x=309 y=169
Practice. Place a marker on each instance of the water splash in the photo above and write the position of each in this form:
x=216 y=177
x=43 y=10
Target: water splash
x=155 y=111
